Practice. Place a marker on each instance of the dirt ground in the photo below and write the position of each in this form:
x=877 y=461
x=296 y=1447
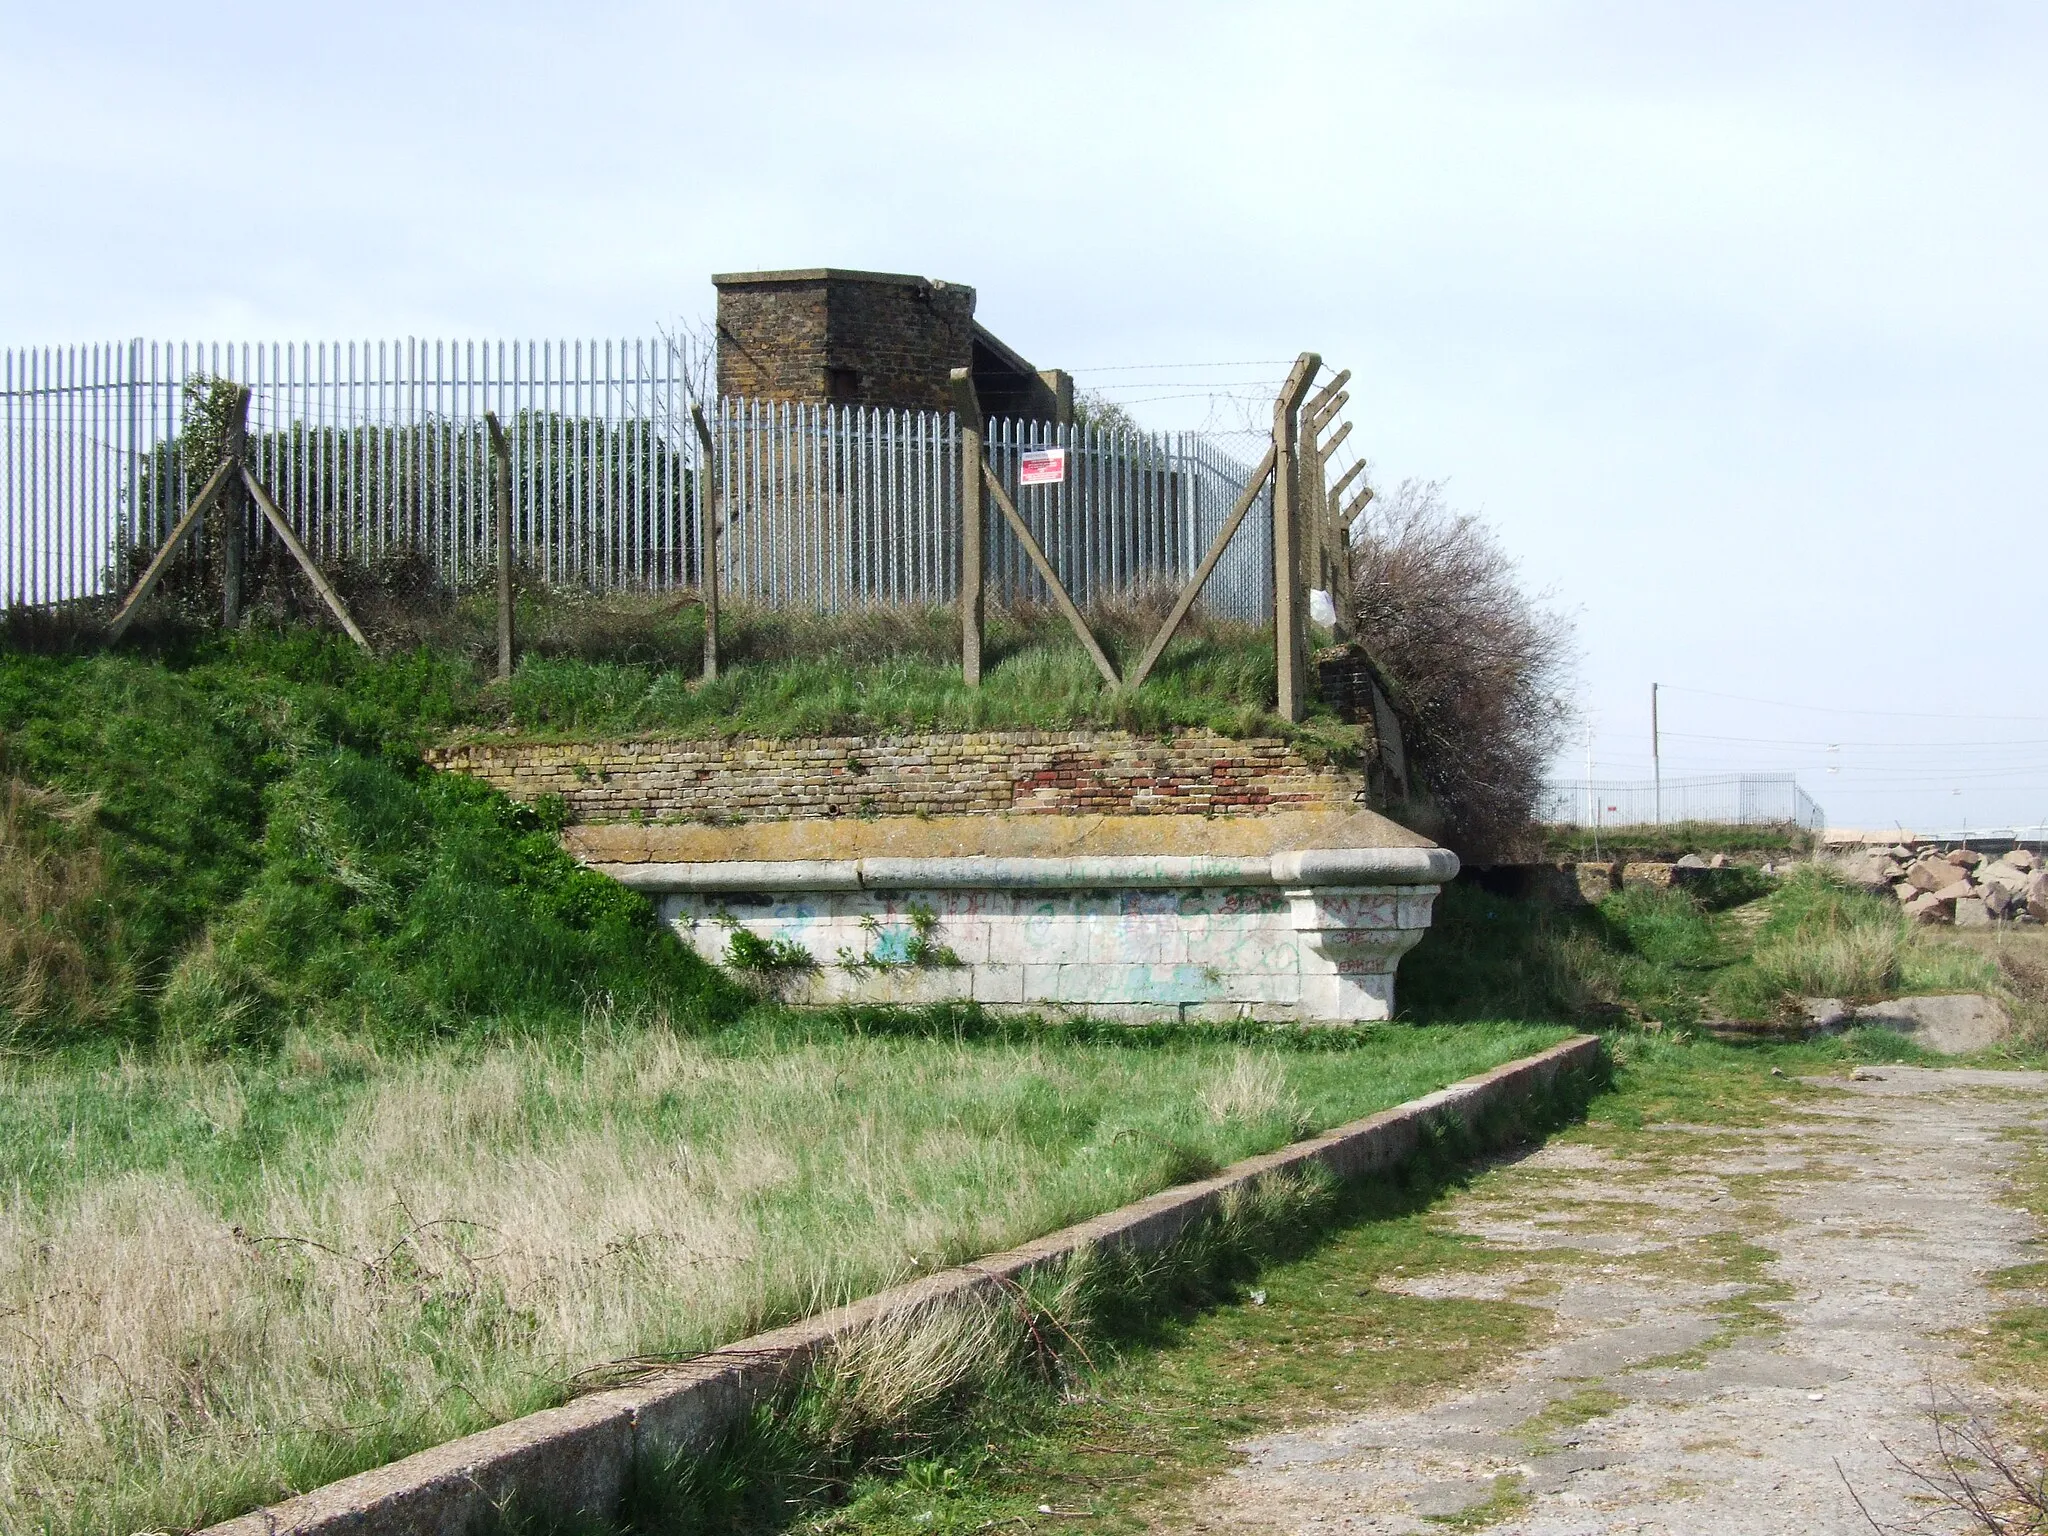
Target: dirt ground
x=1742 y=1322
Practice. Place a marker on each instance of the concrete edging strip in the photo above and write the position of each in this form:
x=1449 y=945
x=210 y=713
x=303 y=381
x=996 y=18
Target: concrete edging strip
x=578 y=1459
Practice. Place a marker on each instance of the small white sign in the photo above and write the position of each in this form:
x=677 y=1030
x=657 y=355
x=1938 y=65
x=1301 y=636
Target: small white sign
x=1042 y=466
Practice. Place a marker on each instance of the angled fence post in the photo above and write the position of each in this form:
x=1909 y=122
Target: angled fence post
x=707 y=556
x=1288 y=602
x=1338 y=544
x=967 y=406
x=501 y=480
x=234 y=508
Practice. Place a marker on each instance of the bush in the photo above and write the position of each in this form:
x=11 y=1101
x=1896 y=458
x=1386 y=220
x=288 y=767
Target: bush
x=1477 y=665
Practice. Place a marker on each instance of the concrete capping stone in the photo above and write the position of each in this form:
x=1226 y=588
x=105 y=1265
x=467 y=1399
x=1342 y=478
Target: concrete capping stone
x=1314 y=866
x=578 y=1460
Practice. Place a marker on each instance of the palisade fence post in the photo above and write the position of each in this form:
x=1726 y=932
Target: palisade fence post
x=972 y=605
x=234 y=509
x=1288 y=599
x=707 y=557
x=501 y=515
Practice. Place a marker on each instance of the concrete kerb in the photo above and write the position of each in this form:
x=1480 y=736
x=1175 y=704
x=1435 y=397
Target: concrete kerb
x=578 y=1460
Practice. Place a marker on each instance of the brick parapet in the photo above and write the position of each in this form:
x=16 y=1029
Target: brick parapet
x=1055 y=773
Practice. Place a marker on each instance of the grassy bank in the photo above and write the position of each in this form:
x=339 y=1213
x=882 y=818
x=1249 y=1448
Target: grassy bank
x=1672 y=958
x=1673 y=839
x=213 y=849
x=231 y=1277
x=625 y=664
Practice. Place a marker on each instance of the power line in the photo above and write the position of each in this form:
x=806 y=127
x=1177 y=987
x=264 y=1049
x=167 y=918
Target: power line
x=1252 y=362
x=1904 y=746
x=1829 y=709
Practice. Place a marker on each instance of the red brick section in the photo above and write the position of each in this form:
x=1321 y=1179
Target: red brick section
x=1109 y=773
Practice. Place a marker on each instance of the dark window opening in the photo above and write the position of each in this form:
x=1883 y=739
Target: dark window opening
x=842 y=383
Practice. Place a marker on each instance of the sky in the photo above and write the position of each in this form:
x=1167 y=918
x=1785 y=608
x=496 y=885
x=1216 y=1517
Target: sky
x=1727 y=318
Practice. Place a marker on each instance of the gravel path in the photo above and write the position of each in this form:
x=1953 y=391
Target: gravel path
x=1662 y=1401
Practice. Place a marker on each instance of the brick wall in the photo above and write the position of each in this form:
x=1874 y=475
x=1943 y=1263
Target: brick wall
x=873 y=338
x=1080 y=772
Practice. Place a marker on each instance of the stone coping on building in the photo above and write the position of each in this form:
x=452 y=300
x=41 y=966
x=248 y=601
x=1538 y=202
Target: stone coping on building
x=1348 y=867
x=1013 y=836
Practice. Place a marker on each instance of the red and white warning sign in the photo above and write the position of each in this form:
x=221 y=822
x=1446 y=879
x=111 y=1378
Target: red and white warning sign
x=1042 y=466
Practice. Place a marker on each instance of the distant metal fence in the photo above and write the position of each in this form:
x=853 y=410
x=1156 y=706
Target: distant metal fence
x=1742 y=799
x=375 y=448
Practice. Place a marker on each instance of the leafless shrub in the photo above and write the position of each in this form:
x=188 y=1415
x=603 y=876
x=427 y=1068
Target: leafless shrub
x=1976 y=1472
x=1477 y=663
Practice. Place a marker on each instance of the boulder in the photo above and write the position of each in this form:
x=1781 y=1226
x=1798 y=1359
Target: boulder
x=2037 y=895
x=1901 y=852
x=2002 y=871
x=1958 y=1022
x=1692 y=861
x=1967 y=858
x=1720 y=861
x=1574 y=885
x=2021 y=858
x=1906 y=891
x=1931 y=874
x=1971 y=912
x=1927 y=908
x=1599 y=881
x=1999 y=896
x=1956 y=892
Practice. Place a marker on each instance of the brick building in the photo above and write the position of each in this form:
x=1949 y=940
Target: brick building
x=871 y=338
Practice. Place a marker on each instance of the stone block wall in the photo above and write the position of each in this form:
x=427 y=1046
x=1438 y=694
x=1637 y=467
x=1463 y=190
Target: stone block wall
x=1310 y=954
x=1062 y=773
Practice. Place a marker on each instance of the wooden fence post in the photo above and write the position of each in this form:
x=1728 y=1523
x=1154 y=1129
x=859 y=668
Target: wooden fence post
x=1288 y=603
x=707 y=556
x=501 y=480
x=967 y=406
x=1337 y=547
x=234 y=509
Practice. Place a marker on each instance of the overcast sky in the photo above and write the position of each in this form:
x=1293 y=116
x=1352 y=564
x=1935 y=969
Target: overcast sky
x=1729 y=318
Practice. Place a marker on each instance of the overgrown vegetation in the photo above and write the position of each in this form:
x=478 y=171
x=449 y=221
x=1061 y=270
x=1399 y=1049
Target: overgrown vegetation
x=988 y=1411
x=1477 y=664
x=1747 y=949
x=1671 y=840
x=1112 y=1418
x=219 y=851
x=231 y=1276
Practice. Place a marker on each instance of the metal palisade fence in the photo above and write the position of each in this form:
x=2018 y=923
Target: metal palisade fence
x=375 y=449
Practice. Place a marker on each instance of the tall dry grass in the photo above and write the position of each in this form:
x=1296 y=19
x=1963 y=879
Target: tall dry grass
x=220 y=1280
x=56 y=947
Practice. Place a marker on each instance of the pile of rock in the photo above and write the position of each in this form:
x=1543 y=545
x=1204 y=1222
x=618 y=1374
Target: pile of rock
x=1961 y=886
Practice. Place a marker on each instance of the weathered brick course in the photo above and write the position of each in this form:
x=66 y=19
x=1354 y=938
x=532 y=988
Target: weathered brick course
x=1056 y=773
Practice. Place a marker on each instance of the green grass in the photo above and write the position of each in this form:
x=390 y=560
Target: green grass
x=269 y=853
x=231 y=1276
x=1679 y=958
x=1671 y=840
x=627 y=665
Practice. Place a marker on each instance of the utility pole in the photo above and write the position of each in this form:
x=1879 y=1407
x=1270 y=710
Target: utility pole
x=1656 y=758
